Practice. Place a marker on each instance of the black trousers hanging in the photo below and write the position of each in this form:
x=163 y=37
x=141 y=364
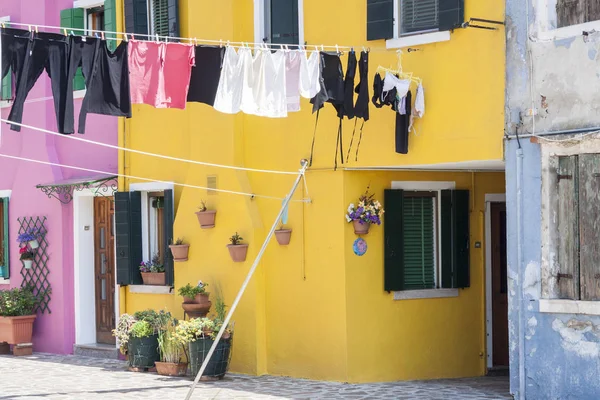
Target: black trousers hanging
x=402 y=124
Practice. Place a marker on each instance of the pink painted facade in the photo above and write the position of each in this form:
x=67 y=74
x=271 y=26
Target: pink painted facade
x=54 y=332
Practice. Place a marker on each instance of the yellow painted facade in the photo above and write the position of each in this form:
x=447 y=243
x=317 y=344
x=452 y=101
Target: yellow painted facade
x=314 y=309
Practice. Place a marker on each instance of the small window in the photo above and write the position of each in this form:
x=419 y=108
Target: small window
x=152 y=17
x=418 y=16
x=95 y=18
x=159 y=17
x=574 y=12
x=281 y=22
x=156 y=239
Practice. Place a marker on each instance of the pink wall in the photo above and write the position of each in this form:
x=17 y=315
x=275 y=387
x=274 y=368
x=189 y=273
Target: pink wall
x=53 y=332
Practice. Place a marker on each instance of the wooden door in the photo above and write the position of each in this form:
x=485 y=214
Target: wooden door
x=104 y=242
x=499 y=286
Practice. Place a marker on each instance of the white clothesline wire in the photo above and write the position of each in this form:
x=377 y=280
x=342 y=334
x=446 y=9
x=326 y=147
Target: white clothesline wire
x=147 y=179
x=34 y=27
x=79 y=139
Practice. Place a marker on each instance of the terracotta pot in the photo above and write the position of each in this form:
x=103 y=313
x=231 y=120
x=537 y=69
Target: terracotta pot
x=180 y=252
x=361 y=228
x=195 y=310
x=283 y=236
x=153 y=278
x=171 y=369
x=238 y=252
x=206 y=218
x=16 y=330
x=201 y=298
x=27 y=264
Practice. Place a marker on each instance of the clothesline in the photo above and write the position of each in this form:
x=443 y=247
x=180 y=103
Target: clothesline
x=145 y=152
x=253 y=195
x=127 y=36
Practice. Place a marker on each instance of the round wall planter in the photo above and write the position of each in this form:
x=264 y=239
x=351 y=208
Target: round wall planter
x=361 y=228
x=180 y=252
x=238 y=252
x=283 y=236
x=171 y=369
x=34 y=244
x=27 y=264
x=153 y=278
x=143 y=352
x=206 y=218
x=219 y=362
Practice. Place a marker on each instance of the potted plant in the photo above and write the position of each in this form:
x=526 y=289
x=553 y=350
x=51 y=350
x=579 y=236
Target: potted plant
x=283 y=236
x=171 y=352
x=237 y=250
x=179 y=250
x=17 y=315
x=369 y=211
x=195 y=300
x=26 y=256
x=153 y=272
x=29 y=237
x=206 y=217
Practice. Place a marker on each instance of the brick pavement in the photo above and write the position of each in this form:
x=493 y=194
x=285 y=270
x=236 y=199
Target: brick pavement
x=54 y=377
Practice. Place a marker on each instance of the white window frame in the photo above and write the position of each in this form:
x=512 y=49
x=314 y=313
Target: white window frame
x=5 y=193
x=413 y=38
x=260 y=21
x=546 y=20
x=428 y=186
x=87 y=5
x=152 y=229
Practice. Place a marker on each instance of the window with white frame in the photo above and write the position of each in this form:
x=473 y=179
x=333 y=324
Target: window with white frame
x=417 y=16
x=93 y=18
x=279 y=21
x=156 y=239
x=152 y=17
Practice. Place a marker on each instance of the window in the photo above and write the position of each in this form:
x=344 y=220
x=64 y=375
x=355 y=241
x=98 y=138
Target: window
x=95 y=18
x=278 y=21
x=156 y=238
x=4 y=245
x=577 y=196
x=152 y=17
x=388 y=19
x=426 y=239
x=574 y=12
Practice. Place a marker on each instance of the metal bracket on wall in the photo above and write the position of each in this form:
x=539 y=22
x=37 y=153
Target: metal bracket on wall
x=469 y=24
x=63 y=191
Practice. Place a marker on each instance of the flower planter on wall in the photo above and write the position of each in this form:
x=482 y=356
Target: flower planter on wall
x=238 y=252
x=206 y=218
x=180 y=252
x=16 y=330
x=283 y=236
x=361 y=228
x=153 y=278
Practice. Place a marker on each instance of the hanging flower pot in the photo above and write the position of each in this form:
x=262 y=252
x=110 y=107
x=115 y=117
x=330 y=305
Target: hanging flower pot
x=28 y=264
x=206 y=217
x=34 y=244
x=369 y=211
x=361 y=228
x=179 y=250
x=283 y=236
x=237 y=250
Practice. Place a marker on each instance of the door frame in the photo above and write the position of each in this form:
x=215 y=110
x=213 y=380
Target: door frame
x=489 y=199
x=83 y=201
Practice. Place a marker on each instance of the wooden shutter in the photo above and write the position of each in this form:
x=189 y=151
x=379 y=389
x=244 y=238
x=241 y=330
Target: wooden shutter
x=589 y=226
x=419 y=15
x=128 y=226
x=110 y=22
x=455 y=234
x=4 y=267
x=173 y=18
x=7 y=86
x=168 y=219
x=380 y=19
x=451 y=14
x=570 y=12
x=419 y=242
x=394 y=246
x=283 y=22
x=136 y=17
x=74 y=18
x=593 y=10
x=568 y=228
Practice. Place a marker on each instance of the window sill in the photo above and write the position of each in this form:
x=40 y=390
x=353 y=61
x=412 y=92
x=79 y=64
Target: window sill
x=87 y=3
x=561 y=306
x=567 y=32
x=149 y=289
x=417 y=40
x=4 y=281
x=425 y=294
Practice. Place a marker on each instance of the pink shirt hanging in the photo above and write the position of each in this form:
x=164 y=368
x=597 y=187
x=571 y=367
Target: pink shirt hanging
x=159 y=73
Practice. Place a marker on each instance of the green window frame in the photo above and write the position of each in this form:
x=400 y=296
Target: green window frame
x=4 y=238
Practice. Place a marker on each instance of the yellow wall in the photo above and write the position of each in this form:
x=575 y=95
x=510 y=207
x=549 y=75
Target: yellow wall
x=314 y=309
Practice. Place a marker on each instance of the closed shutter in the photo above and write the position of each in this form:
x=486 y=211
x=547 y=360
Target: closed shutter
x=160 y=17
x=168 y=219
x=284 y=22
x=136 y=17
x=455 y=234
x=451 y=14
x=110 y=22
x=4 y=267
x=419 y=15
x=394 y=241
x=593 y=10
x=568 y=228
x=380 y=19
x=419 y=242
x=128 y=226
x=74 y=19
x=173 y=18
x=7 y=86
x=570 y=12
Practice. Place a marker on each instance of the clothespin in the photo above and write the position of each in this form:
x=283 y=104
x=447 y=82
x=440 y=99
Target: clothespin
x=3 y=25
x=157 y=37
x=228 y=43
x=322 y=48
x=125 y=37
x=195 y=42
x=287 y=48
x=65 y=31
x=36 y=29
x=102 y=34
x=337 y=49
x=29 y=28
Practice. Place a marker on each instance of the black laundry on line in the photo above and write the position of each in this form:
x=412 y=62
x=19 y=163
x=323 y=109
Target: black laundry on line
x=402 y=121
x=361 y=107
x=347 y=107
x=204 y=80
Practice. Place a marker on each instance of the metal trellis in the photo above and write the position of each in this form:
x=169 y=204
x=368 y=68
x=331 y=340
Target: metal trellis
x=37 y=276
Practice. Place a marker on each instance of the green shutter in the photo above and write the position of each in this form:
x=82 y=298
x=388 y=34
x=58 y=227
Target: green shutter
x=7 y=86
x=173 y=18
x=4 y=268
x=446 y=245
x=394 y=246
x=73 y=18
x=160 y=17
x=380 y=19
x=168 y=219
x=419 y=15
x=128 y=236
x=284 y=22
x=419 y=243
x=136 y=17
x=451 y=14
x=455 y=247
x=110 y=22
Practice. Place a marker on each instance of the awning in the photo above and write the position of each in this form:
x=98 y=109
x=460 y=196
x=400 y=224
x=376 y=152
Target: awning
x=101 y=185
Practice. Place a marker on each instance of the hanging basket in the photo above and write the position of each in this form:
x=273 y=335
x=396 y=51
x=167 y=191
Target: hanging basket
x=283 y=236
x=33 y=244
x=206 y=218
x=238 y=252
x=361 y=228
x=28 y=264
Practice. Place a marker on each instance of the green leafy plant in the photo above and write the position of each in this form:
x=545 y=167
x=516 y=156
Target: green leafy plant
x=194 y=329
x=190 y=291
x=154 y=322
x=202 y=206
x=171 y=349
x=17 y=302
x=141 y=329
x=178 y=242
x=152 y=266
x=122 y=331
x=236 y=239
x=158 y=320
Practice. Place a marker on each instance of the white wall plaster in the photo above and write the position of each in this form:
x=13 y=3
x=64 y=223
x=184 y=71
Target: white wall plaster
x=573 y=337
x=531 y=324
x=531 y=281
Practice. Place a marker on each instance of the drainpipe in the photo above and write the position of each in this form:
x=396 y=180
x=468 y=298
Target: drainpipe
x=552 y=133
x=520 y=275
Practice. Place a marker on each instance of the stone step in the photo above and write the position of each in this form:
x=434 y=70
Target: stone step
x=95 y=350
